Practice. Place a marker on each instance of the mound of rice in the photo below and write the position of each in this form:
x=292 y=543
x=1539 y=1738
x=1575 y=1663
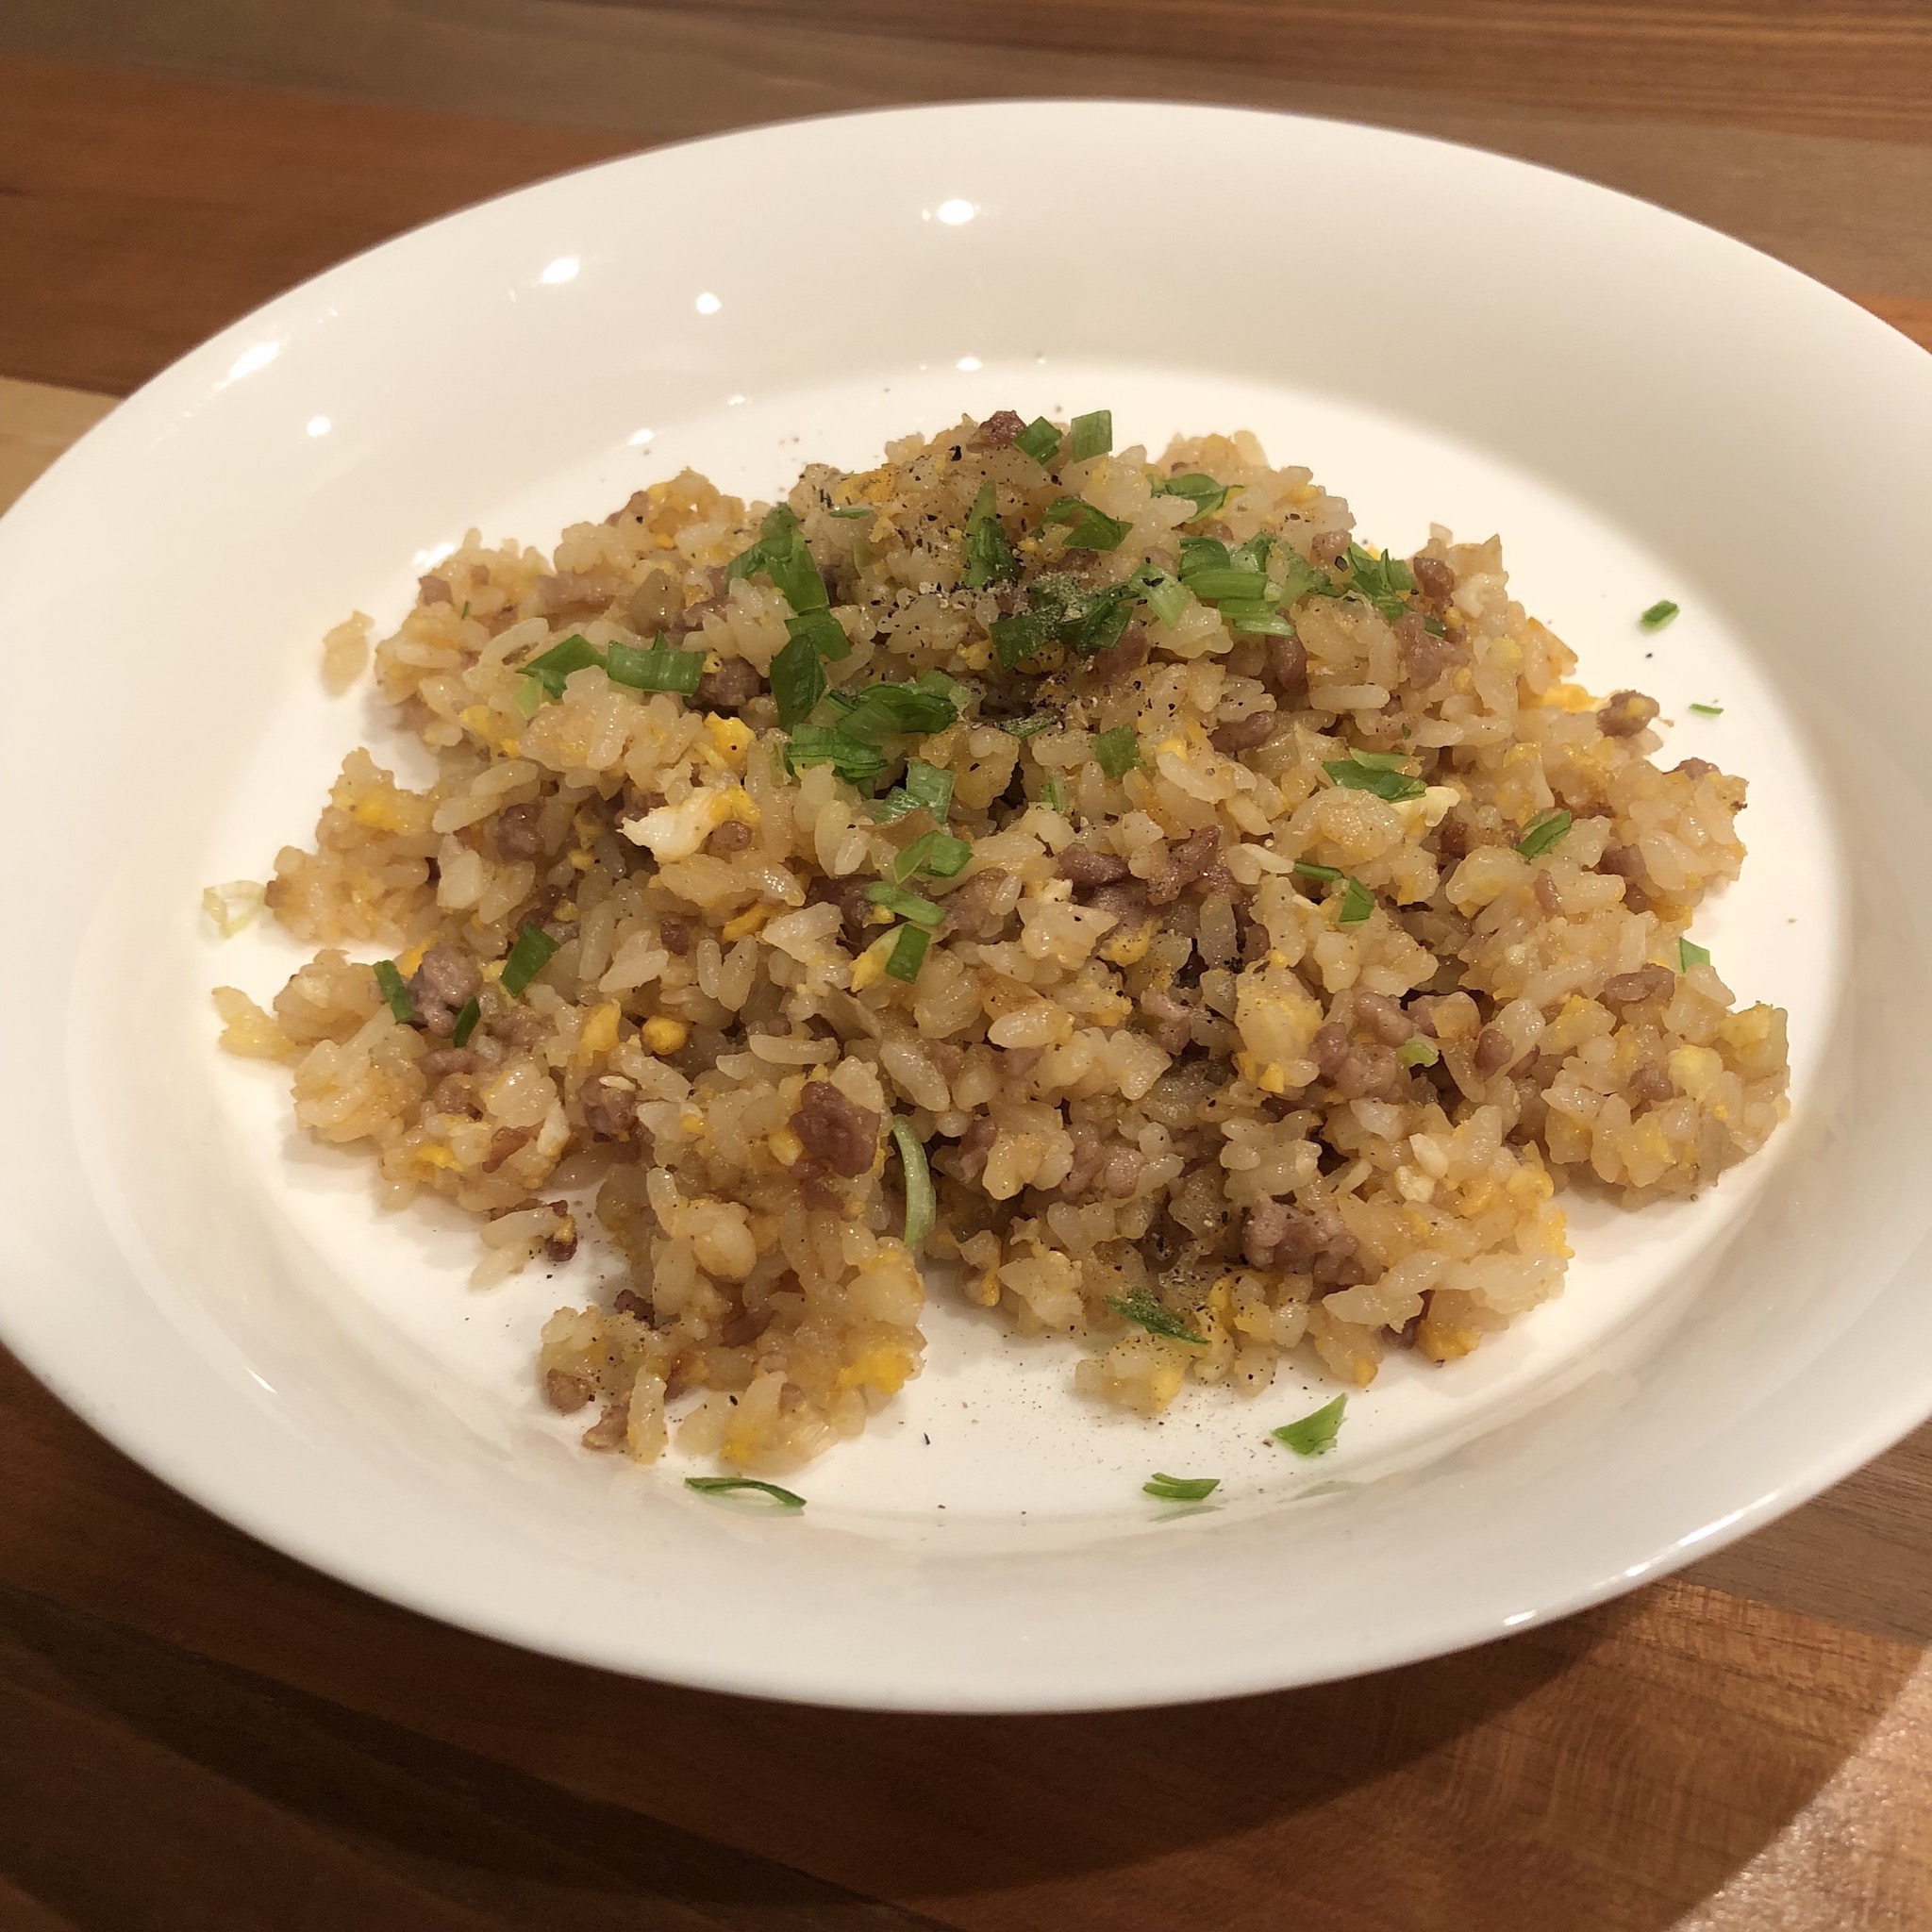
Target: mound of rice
x=1261 y=930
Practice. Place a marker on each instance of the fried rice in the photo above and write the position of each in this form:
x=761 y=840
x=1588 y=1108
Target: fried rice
x=1218 y=939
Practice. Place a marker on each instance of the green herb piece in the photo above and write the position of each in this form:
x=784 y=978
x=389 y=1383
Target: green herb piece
x=894 y=805
x=774 y=535
x=466 y=1023
x=1253 y=554
x=1309 y=871
x=1358 y=775
x=656 y=669
x=1708 y=711
x=528 y=696
x=1214 y=582
x=528 y=959
x=1055 y=792
x=989 y=556
x=1106 y=622
x=1658 y=614
x=1180 y=1489
x=1381 y=761
x=1202 y=552
x=1418 y=1051
x=1139 y=1306
x=1544 y=832
x=1021 y=636
x=890 y=710
x=1357 y=902
x=1690 y=955
x=1435 y=626
x=798 y=682
x=858 y=763
x=907 y=904
x=1204 y=493
x=388 y=983
x=737 y=1485
x=1384 y=581
x=1117 y=752
x=559 y=660
x=930 y=786
x=857 y=509
x=1039 y=440
x=825 y=633
x=1087 y=528
x=937 y=852
x=1300 y=578
x=1166 y=596
x=908 y=953
x=1314 y=1433
x=919 y=1212
x=1024 y=728
x=780 y=553
x=1089 y=436
x=1257 y=618
x=941 y=686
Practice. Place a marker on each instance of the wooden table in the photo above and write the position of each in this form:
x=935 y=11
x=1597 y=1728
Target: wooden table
x=195 y=1732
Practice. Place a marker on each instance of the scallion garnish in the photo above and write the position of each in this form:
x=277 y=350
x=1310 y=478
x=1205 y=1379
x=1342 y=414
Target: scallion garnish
x=937 y=852
x=1117 y=752
x=930 y=786
x=1419 y=1050
x=1087 y=528
x=908 y=953
x=857 y=509
x=1302 y=579
x=1311 y=871
x=737 y=1485
x=860 y=764
x=1357 y=902
x=1546 y=831
x=1708 y=711
x=556 y=663
x=1039 y=440
x=798 y=682
x=466 y=1023
x=1180 y=1489
x=388 y=983
x=1384 y=581
x=1690 y=955
x=827 y=635
x=989 y=556
x=1260 y=620
x=528 y=696
x=1089 y=436
x=1029 y=727
x=1658 y=614
x=528 y=959
x=1314 y=1433
x=1204 y=493
x=1166 y=596
x=1217 y=581
x=1359 y=772
x=907 y=904
x=1139 y=1305
x=656 y=669
x=1055 y=792
x=919 y=1210
x=780 y=553
x=1381 y=761
x=890 y=711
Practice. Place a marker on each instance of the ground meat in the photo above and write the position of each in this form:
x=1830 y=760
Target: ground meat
x=1089 y=1151
x=655 y=603
x=1183 y=865
x=1434 y=578
x=455 y=1094
x=560 y=1246
x=1625 y=713
x=1174 y=1020
x=1452 y=837
x=440 y=1061
x=433 y=589
x=1331 y=548
x=1126 y=899
x=998 y=430
x=975 y=1143
x=1263 y=1230
x=1421 y=1014
x=627 y=1301
x=1120 y=1172
x=520 y=831
x=1329 y=1048
x=1493 y=1052
x=1384 y=1018
x=729 y=688
x=611 y=1106
x=1646 y=983
x=733 y=836
x=572 y=590
x=610 y=1428
x=1118 y=662
x=441 y=985
x=674 y=936
x=1423 y=654
x=1649 y=1085
x=1623 y=860
x=1288 y=665
x=1245 y=734
x=565 y=1392
x=1317 y=1242
x=1369 y=1072
x=1546 y=893
x=836 y=1130
x=974 y=909
x=1694 y=768
x=855 y=908
x=1087 y=865
x=743 y=1330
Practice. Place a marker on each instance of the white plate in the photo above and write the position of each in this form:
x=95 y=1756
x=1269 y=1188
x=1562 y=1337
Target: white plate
x=1642 y=407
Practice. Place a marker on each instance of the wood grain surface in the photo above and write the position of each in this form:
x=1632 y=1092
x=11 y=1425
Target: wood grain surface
x=196 y=1732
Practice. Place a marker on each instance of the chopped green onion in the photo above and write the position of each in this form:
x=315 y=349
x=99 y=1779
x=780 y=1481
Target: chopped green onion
x=907 y=904
x=1029 y=727
x=908 y=953
x=1167 y=597
x=1302 y=579
x=1708 y=711
x=1257 y=618
x=798 y=682
x=1204 y=493
x=989 y=556
x=466 y=1023
x=1180 y=1489
x=1016 y=639
x=1217 y=581
x=1039 y=440
x=1690 y=955
x=1357 y=902
x=1384 y=581
x=858 y=763
x=1309 y=871
x=1381 y=761
x=656 y=669
x=892 y=710
x=909 y=861
x=529 y=696
x=736 y=1485
x=1087 y=528
x=941 y=686
x=1658 y=614
x=389 y=982
x=779 y=529
x=1355 y=774
x=1544 y=832
x=1139 y=1306
x=827 y=633
x=919 y=1214
x=937 y=852
x=1314 y=1433
x=1089 y=436
x=1117 y=752
x=857 y=509
x=894 y=805
x=1055 y=792
x=780 y=553
x=1106 y=622
x=1435 y=626
x=556 y=663
x=930 y=786
x=1418 y=1051
x=528 y=959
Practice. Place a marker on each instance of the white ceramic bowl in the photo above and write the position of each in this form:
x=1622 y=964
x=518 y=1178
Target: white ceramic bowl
x=1645 y=409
